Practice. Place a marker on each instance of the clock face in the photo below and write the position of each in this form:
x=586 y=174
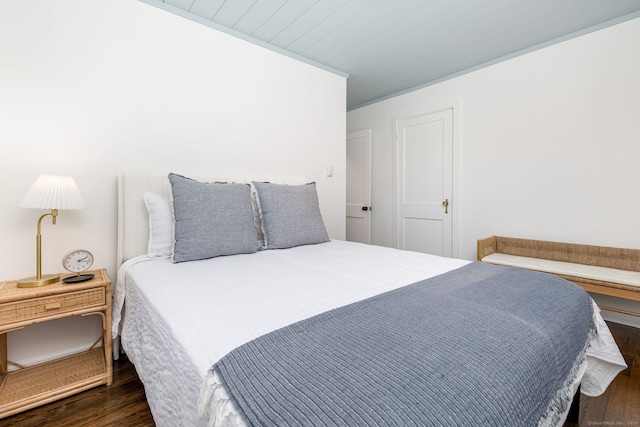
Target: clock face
x=77 y=261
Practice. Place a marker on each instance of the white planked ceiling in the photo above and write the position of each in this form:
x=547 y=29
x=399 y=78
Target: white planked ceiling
x=388 y=47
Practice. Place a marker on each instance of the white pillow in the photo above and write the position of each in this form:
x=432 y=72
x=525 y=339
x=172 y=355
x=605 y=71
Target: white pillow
x=160 y=225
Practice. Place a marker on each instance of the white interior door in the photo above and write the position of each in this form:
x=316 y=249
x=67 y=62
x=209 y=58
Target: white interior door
x=358 y=227
x=424 y=182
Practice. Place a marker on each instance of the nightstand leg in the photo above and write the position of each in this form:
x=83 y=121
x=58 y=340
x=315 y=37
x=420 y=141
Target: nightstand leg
x=106 y=345
x=3 y=354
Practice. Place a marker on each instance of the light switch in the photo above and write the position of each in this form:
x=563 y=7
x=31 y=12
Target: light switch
x=328 y=170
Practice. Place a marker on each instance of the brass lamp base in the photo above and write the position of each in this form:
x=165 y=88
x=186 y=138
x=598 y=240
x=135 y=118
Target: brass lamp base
x=33 y=282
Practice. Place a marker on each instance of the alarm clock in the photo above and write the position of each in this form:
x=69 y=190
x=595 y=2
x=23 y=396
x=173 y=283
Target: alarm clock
x=77 y=261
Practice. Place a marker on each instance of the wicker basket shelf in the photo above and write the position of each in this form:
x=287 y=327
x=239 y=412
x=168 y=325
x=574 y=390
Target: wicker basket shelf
x=31 y=386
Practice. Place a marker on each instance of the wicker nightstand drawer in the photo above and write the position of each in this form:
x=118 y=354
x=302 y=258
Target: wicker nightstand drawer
x=41 y=307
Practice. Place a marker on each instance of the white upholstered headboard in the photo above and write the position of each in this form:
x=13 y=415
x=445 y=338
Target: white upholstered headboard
x=133 y=220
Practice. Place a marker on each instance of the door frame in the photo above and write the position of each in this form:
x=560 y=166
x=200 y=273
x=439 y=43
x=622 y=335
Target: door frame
x=365 y=133
x=456 y=193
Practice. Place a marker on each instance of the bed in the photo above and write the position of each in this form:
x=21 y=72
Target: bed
x=344 y=333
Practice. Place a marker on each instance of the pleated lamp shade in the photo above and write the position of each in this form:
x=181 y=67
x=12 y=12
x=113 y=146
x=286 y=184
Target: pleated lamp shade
x=53 y=192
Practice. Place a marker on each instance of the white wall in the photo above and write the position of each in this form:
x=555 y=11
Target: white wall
x=548 y=145
x=92 y=88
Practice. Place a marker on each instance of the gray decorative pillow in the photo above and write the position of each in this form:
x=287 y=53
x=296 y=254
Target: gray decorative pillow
x=290 y=215
x=211 y=219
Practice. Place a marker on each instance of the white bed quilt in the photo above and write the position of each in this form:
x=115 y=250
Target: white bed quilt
x=182 y=318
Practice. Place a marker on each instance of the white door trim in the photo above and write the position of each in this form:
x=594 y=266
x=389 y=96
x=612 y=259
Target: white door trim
x=366 y=180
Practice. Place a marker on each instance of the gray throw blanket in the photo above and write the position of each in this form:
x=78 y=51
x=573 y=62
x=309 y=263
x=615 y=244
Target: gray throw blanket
x=479 y=346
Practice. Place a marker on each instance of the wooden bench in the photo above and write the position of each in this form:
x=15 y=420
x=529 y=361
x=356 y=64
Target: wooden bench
x=598 y=269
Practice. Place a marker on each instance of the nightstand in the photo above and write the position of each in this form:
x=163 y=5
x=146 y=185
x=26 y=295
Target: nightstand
x=31 y=386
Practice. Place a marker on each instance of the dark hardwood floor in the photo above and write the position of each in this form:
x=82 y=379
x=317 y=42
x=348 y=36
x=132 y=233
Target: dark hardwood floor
x=123 y=403
x=620 y=404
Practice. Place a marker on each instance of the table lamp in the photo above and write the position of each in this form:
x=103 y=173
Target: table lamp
x=54 y=193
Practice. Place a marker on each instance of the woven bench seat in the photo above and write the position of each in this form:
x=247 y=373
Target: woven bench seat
x=598 y=269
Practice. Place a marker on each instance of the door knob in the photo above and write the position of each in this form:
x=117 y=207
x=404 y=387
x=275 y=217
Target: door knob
x=446 y=205
x=366 y=208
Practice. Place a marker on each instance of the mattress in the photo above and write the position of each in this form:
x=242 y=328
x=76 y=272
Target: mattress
x=179 y=319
